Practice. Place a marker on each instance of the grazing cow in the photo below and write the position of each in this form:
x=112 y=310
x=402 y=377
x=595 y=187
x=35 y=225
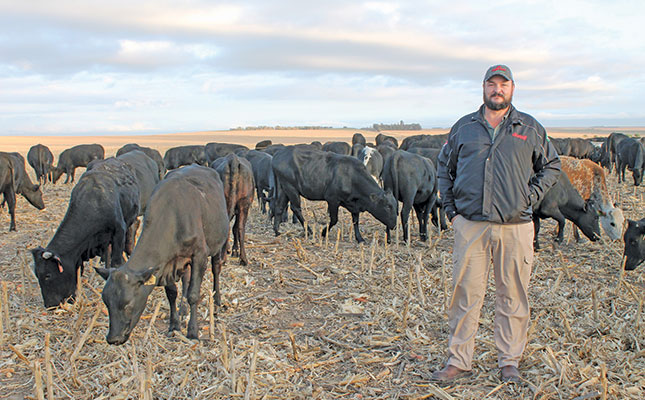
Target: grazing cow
x=562 y=201
x=373 y=161
x=612 y=146
x=338 y=180
x=175 y=157
x=605 y=159
x=237 y=178
x=185 y=223
x=263 y=144
x=634 y=243
x=263 y=177
x=216 y=150
x=381 y=139
x=152 y=153
x=629 y=153
x=588 y=178
x=338 y=148
x=427 y=141
x=431 y=154
x=413 y=181
x=77 y=156
x=41 y=160
x=438 y=213
x=15 y=180
x=103 y=205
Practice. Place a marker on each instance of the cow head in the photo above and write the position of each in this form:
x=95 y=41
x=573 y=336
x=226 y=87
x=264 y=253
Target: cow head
x=612 y=222
x=637 y=173
x=125 y=295
x=57 y=283
x=589 y=220
x=634 y=243
x=385 y=208
x=57 y=172
x=34 y=196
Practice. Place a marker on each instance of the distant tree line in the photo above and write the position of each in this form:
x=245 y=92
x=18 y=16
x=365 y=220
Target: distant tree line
x=401 y=126
x=278 y=127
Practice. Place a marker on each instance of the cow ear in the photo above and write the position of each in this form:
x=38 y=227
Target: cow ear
x=373 y=198
x=146 y=277
x=104 y=272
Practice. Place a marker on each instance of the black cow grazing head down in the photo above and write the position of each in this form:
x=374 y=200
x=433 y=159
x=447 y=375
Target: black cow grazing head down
x=185 y=223
x=634 y=244
x=57 y=284
x=102 y=206
x=15 y=180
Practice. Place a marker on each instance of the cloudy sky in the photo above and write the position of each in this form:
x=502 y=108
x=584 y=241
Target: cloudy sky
x=130 y=67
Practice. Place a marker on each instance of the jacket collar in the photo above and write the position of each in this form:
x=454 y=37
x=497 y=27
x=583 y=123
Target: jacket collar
x=513 y=115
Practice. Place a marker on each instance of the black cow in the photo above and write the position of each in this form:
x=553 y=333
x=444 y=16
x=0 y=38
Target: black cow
x=152 y=153
x=413 y=181
x=431 y=153
x=185 y=223
x=338 y=180
x=583 y=148
x=382 y=138
x=634 y=243
x=612 y=146
x=77 y=156
x=630 y=154
x=263 y=177
x=438 y=214
x=358 y=138
x=263 y=144
x=338 y=148
x=15 y=180
x=216 y=150
x=175 y=157
x=356 y=149
x=562 y=145
x=103 y=205
x=41 y=160
x=386 y=149
x=562 y=201
x=237 y=178
x=426 y=141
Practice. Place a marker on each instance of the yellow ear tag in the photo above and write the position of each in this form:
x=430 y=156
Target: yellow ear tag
x=152 y=281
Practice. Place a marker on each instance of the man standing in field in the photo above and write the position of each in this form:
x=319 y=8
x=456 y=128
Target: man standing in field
x=495 y=167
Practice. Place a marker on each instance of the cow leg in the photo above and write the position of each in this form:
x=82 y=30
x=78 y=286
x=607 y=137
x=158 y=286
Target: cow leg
x=118 y=245
x=536 y=230
x=576 y=234
x=332 y=209
x=294 y=204
x=197 y=274
x=73 y=173
x=171 y=295
x=405 y=214
x=185 y=281
x=10 y=198
x=236 y=237
x=422 y=216
x=357 y=231
x=561 y=221
x=279 y=208
x=241 y=232
x=130 y=235
x=216 y=267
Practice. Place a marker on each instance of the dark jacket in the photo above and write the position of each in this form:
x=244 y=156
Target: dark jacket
x=500 y=180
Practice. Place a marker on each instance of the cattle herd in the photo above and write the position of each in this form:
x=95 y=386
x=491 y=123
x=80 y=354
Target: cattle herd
x=188 y=198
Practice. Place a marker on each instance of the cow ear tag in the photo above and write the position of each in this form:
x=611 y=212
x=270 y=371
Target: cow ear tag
x=152 y=281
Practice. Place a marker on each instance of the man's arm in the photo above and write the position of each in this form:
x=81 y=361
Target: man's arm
x=546 y=165
x=446 y=170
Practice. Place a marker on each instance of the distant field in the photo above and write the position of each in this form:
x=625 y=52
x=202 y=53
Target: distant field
x=250 y=137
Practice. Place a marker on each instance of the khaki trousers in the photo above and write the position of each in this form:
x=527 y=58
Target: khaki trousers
x=510 y=247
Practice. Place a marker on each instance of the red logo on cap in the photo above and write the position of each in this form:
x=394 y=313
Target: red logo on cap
x=499 y=68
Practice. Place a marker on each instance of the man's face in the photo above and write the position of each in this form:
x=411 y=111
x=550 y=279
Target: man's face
x=498 y=93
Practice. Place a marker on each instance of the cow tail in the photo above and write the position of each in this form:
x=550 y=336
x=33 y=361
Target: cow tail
x=234 y=171
x=275 y=193
x=395 y=175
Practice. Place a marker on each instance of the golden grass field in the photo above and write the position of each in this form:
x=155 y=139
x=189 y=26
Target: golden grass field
x=320 y=319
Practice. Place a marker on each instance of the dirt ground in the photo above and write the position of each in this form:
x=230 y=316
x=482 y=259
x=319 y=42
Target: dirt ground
x=322 y=319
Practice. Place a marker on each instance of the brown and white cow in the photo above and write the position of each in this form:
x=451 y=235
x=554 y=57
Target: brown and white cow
x=590 y=181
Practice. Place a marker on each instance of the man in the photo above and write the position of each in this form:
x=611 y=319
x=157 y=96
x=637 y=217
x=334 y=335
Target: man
x=496 y=165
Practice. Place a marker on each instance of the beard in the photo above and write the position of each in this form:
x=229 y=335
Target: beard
x=488 y=101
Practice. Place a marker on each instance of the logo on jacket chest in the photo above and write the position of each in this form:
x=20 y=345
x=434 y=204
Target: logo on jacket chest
x=517 y=135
